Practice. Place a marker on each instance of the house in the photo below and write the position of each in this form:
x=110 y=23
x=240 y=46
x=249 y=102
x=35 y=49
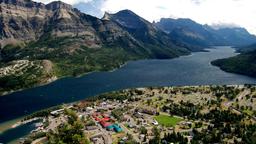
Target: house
x=57 y=112
x=114 y=127
x=105 y=124
x=155 y=122
x=130 y=125
x=138 y=115
x=89 y=109
x=110 y=127
x=142 y=136
x=117 y=128
x=149 y=111
x=97 y=138
x=186 y=125
x=89 y=128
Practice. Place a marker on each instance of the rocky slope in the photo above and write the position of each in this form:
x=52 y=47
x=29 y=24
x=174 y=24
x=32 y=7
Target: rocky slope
x=27 y=21
x=74 y=42
x=154 y=41
x=190 y=32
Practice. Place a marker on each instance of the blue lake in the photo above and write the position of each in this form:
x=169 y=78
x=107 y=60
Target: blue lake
x=194 y=69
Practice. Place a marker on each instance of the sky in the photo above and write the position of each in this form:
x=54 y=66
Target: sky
x=228 y=13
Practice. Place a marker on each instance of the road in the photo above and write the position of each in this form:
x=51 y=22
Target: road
x=135 y=136
x=239 y=97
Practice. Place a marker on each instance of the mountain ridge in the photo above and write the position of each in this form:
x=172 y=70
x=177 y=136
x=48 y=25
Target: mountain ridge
x=73 y=42
x=192 y=32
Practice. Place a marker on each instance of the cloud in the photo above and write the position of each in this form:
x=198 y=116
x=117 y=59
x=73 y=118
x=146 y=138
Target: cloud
x=197 y=2
x=224 y=25
x=238 y=12
x=91 y=7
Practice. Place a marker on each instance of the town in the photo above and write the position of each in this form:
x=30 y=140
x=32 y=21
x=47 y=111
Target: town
x=199 y=114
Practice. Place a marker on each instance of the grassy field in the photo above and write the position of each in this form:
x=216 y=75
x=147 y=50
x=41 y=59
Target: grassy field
x=167 y=121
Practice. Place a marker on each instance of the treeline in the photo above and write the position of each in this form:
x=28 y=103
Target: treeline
x=42 y=113
x=240 y=133
x=228 y=92
x=218 y=116
x=183 y=109
x=119 y=95
x=174 y=138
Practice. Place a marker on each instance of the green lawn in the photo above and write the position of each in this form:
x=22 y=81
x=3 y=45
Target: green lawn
x=167 y=121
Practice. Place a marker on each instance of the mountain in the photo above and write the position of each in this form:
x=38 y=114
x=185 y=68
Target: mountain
x=154 y=40
x=41 y=42
x=30 y=21
x=244 y=63
x=248 y=48
x=236 y=36
x=188 y=31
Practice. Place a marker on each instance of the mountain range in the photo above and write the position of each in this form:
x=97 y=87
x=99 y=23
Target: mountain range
x=192 y=33
x=58 y=40
x=23 y=22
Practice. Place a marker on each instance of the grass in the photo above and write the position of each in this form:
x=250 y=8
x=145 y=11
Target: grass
x=167 y=121
x=249 y=112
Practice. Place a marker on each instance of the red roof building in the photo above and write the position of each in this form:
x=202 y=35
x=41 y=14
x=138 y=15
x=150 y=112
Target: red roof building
x=105 y=124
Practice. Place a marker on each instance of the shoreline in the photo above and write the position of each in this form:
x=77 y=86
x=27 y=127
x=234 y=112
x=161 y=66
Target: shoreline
x=5 y=93
x=21 y=122
x=8 y=124
x=145 y=85
x=165 y=95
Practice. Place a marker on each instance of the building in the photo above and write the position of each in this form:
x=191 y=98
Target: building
x=57 y=112
x=149 y=111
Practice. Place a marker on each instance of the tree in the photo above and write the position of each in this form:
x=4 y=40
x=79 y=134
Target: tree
x=149 y=101
x=70 y=132
x=156 y=139
x=143 y=130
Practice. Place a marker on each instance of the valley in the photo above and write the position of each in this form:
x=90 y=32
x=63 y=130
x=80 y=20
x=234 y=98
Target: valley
x=110 y=72
x=76 y=43
x=194 y=69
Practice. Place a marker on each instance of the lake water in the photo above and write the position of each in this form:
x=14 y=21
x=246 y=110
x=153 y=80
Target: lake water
x=194 y=69
x=12 y=136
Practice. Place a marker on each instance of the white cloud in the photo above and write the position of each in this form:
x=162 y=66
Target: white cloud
x=236 y=12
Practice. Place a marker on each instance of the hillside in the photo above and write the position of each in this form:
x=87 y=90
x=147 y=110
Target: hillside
x=244 y=63
x=189 y=32
x=248 y=48
x=154 y=41
x=75 y=43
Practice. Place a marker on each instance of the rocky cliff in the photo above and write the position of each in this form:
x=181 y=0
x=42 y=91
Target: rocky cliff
x=74 y=42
